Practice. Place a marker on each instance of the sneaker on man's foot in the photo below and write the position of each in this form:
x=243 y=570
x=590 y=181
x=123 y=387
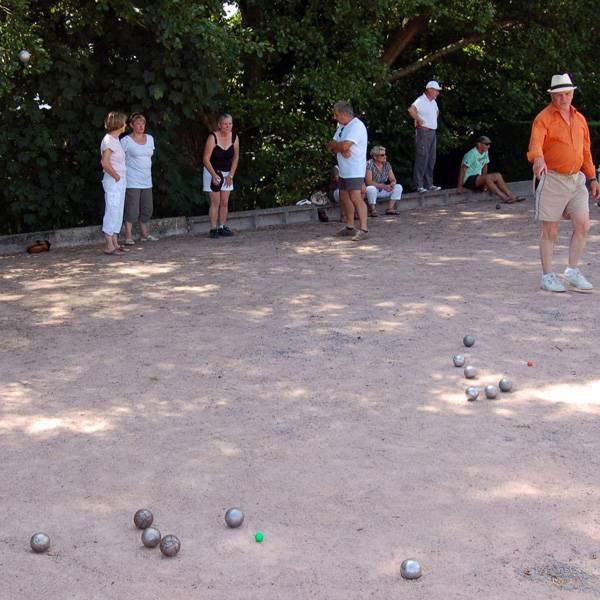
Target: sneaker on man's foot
x=360 y=235
x=129 y=242
x=225 y=231
x=345 y=232
x=575 y=278
x=550 y=283
x=149 y=238
x=214 y=234
x=434 y=188
x=421 y=190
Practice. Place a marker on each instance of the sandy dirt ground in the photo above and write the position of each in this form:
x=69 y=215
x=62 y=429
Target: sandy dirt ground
x=309 y=381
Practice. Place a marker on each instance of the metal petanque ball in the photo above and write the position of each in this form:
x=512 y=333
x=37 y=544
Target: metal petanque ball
x=40 y=542
x=468 y=341
x=170 y=545
x=151 y=537
x=410 y=569
x=143 y=518
x=472 y=393
x=24 y=56
x=234 y=517
x=505 y=384
x=470 y=372
x=491 y=391
x=459 y=360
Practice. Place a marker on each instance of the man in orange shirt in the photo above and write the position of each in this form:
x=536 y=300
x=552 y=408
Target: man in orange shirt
x=559 y=149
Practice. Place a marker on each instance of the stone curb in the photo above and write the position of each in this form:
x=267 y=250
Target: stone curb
x=241 y=221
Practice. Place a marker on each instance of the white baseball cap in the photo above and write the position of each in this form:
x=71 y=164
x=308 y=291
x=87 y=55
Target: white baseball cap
x=433 y=84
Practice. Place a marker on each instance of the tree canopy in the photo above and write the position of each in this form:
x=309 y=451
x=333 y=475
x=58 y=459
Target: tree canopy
x=277 y=66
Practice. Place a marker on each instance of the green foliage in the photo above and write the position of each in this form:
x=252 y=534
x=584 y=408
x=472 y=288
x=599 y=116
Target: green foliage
x=277 y=66
x=92 y=57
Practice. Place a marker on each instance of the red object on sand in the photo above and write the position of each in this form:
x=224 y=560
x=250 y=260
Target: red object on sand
x=530 y=363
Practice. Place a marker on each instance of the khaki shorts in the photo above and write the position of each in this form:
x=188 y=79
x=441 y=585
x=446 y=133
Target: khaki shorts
x=559 y=194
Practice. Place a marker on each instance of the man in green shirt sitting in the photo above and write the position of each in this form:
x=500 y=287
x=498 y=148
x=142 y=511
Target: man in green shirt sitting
x=473 y=173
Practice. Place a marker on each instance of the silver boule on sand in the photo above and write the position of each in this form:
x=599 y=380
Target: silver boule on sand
x=472 y=393
x=40 y=542
x=234 y=517
x=410 y=569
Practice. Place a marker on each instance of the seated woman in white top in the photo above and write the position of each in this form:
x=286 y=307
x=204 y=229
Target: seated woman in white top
x=381 y=182
x=139 y=148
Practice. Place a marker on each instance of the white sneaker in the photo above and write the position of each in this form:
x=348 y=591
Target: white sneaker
x=434 y=188
x=360 y=235
x=129 y=242
x=550 y=283
x=575 y=278
x=421 y=190
x=150 y=238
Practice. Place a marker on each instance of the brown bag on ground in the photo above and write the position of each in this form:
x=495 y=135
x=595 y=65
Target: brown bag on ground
x=39 y=246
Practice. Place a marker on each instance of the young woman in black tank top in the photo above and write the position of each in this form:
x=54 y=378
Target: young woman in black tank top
x=221 y=157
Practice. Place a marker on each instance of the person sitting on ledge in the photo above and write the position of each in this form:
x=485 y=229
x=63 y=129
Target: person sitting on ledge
x=474 y=176
x=381 y=182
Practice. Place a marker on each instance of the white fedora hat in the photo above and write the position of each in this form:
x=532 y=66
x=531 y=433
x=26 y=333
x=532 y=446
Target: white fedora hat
x=561 y=83
x=433 y=84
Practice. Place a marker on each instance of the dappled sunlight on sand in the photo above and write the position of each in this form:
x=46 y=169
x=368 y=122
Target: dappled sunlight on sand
x=419 y=308
x=257 y=313
x=516 y=264
x=227 y=449
x=49 y=426
x=11 y=297
x=15 y=395
x=197 y=290
x=146 y=270
x=510 y=490
x=584 y=397
x=49 y=284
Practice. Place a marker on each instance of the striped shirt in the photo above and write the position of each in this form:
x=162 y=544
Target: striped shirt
x=379 y=176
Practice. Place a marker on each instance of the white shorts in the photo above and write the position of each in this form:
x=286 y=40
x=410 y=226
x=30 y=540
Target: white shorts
x=207 y=178
x=114 y=201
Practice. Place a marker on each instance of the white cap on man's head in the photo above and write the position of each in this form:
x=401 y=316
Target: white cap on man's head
x=561 y=83
x=434 y=85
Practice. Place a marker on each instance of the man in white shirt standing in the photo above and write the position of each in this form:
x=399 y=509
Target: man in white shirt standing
x=350 y=146
x=424 y=110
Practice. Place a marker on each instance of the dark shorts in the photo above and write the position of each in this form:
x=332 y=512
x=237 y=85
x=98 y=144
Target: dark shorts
x=469 y=182
x=352 y=183
x=138 y=205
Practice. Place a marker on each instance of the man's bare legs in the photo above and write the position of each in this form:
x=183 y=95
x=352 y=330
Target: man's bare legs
x=547 y=240
x=347 y=209
x=581 y=226
x=358 y=205
x=496 y=185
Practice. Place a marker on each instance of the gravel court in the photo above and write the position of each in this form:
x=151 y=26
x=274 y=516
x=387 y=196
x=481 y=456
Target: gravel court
x=308 y=380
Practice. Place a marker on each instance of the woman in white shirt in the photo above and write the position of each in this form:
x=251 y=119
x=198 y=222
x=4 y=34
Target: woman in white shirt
x=114 y=181
x=139 y=148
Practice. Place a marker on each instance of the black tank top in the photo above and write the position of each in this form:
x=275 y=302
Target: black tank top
x=221 y=159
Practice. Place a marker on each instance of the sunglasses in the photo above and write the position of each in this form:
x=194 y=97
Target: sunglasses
x=380 y=154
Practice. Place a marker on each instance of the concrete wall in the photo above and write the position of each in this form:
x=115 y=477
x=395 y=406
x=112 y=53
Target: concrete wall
x=243 y=220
